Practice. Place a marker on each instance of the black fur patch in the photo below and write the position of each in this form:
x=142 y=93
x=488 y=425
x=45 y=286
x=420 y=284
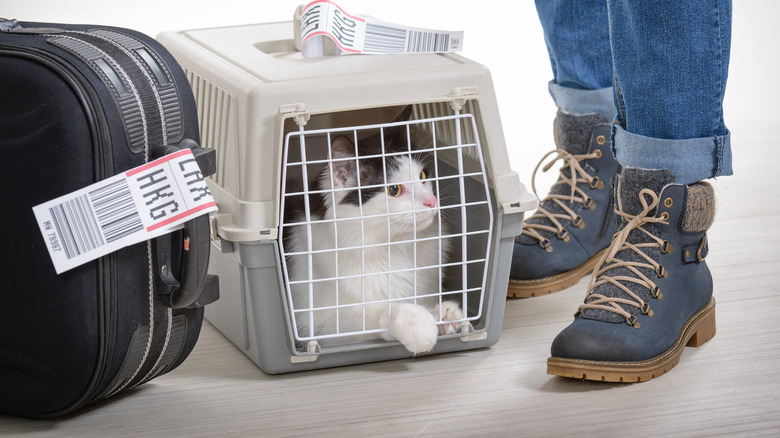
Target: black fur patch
x=380 y=160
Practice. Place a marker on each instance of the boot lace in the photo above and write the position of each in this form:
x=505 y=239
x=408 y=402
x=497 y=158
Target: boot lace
x=610 y=261
x=577 y=194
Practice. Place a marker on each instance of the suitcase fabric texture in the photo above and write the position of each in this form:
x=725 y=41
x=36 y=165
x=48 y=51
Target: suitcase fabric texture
x=79 y=104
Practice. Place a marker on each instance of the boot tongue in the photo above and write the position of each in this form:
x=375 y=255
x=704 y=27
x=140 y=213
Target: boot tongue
x=573 y=132
x=633 y=180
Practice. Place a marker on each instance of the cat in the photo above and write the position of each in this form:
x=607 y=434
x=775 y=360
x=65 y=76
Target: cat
x=380 y=255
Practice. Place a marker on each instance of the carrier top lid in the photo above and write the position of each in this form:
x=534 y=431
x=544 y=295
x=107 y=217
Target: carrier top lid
x=267 y=52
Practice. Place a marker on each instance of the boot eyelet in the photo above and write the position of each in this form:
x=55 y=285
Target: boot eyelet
x=661 y=272
x=633 y=322
x=600 y=140
x=597 y=152
x=589 y=203
x=646 y=310
x=596 y=183
x=668 y=202
x=667 y=247
x=546 y=245
x=578 y=222
x=564 y=235
x=656 y=293
x=665 y=215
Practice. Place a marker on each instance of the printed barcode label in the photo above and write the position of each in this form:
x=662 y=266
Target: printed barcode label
x=140 y=204
x=116 y=213
x=384 y=39
x=323 y=18
x=76 y=226
x=428 y=42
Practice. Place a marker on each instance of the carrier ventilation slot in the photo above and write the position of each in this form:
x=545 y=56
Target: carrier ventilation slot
x=214 y=116
x=336 y=259
x=446 y=130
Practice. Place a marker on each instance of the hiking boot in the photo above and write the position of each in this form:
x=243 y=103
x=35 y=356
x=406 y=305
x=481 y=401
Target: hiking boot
x=651 y=294
x=574 y=223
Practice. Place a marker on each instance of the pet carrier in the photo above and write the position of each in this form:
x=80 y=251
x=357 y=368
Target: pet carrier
x=290 y=255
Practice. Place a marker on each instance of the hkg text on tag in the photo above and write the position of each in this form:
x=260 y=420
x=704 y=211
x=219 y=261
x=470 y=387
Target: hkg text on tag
x=140 y=204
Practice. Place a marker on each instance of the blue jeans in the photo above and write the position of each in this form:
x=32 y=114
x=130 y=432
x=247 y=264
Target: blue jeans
x=657 y=67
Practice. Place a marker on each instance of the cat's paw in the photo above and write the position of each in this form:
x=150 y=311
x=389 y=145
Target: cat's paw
x=414 y=327
x=449 y=311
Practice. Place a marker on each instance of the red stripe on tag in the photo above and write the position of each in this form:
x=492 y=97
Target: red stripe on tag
x=158 y=161
x=180 y=216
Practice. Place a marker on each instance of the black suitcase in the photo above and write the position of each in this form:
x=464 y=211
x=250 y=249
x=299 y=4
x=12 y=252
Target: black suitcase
x=79 y=104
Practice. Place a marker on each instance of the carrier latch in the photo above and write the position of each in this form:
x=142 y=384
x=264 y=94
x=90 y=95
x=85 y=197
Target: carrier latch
x=312 y=353
x=461 y=94
x=298 y=110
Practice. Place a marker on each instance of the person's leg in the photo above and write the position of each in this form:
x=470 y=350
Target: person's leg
x=671 y=62
x=562 y=241
x=651 y=293
x=576 y=33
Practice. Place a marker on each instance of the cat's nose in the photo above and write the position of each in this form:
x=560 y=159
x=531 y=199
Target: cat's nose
x=430 y=202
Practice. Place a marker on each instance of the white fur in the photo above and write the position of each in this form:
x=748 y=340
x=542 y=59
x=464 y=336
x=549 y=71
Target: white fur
x=389 y=284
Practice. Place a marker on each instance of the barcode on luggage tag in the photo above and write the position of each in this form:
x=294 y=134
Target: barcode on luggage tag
x=388 y=39
x=128 y=208
x=428 y=42
x=368 y=35
x=92 y=220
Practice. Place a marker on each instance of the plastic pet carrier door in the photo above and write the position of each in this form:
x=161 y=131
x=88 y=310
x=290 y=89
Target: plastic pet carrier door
x=350 y=251
x=358 y=195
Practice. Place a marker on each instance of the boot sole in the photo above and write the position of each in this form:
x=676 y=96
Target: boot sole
x=556 y=283
x=699 y=329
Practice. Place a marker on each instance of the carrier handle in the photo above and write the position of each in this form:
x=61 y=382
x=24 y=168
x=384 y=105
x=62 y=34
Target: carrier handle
x=194 y=287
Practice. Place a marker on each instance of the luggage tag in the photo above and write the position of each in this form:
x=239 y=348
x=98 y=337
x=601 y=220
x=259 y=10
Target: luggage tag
x=322 y=28
x=137 y=205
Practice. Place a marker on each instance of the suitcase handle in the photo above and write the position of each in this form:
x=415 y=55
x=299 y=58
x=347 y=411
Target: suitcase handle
x=194 y=287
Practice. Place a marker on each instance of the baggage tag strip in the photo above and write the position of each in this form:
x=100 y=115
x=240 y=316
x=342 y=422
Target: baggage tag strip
x=140 y=204
x=352 y=34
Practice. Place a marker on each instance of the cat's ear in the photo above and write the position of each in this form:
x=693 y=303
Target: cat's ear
x=405 y=115
x=344 y=171
x=396 y=135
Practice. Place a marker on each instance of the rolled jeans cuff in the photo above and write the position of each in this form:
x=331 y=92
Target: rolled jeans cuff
x=691 y=160
x=575 y=101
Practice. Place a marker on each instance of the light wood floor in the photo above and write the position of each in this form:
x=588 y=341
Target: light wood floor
x=728 y=387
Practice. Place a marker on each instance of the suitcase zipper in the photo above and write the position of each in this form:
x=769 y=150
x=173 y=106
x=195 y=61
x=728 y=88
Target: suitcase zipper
x=154 y=127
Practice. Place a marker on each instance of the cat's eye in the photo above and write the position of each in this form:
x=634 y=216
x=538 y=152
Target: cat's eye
x=394 y=190
x=423 y=175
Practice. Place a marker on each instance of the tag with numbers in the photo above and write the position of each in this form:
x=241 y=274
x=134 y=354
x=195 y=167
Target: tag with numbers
x=352 y=34
x=140 y=204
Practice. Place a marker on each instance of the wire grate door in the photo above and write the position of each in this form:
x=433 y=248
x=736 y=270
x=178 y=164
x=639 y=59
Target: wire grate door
x=376 y=216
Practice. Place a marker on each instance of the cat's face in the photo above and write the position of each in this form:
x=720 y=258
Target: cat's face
x=382 y=180
x=409 y=196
